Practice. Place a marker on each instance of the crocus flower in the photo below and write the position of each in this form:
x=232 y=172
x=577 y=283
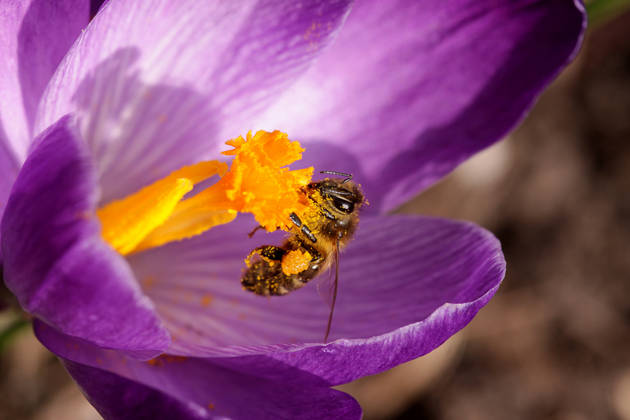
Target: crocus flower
x=397 y=93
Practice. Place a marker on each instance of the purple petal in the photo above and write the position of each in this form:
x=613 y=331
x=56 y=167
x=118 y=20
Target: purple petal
x=411 y=89
x=35 y=37
x=8 y=172
x=117 y=398
x=439 y=273
x=95 y=6
x=198 y=386
x=157 y=84
x=55 y=261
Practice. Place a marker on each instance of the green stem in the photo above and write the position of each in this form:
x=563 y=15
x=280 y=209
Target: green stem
x=11 y=330
x=602 y=10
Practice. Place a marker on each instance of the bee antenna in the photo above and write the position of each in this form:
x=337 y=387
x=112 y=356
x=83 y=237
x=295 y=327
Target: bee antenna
x=347 y=177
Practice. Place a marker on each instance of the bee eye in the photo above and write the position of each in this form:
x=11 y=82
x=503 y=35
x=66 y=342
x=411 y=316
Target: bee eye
x=343 y=205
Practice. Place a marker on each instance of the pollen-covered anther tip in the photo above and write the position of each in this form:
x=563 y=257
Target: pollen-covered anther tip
x=259 y=181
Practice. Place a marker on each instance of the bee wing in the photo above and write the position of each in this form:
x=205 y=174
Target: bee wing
x=327 y=288
x=326 y=285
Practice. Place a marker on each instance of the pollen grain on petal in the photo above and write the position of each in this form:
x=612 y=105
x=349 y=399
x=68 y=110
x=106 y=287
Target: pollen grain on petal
x=206 y=300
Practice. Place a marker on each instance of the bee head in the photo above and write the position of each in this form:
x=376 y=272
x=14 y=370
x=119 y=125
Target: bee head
x=343 y=195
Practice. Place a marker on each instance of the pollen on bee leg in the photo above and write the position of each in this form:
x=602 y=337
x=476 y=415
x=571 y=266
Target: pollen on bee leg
x=294 y=262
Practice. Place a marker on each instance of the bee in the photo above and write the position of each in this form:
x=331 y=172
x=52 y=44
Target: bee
x=319 y=234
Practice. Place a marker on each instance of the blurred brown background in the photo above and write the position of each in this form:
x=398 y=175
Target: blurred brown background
x=555 y=341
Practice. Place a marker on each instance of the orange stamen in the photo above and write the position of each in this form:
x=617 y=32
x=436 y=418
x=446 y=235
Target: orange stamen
x=257 y=182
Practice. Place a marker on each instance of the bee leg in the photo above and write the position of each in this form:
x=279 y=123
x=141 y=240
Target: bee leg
x=335 y=192
x=305 y=230
x=256 y=229
x=314 y=266
x=268 y=253
x=295 y=219
x=316 y=256
x=328 y=215
x=274 y=253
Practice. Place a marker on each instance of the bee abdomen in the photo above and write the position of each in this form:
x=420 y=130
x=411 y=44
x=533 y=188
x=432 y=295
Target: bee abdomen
x=265 y=276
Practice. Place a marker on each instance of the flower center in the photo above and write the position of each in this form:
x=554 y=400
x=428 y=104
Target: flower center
x=258 y=182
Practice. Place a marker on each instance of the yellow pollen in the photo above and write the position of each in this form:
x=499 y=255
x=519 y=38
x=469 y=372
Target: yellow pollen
x=295 y=262
x=206 y=299
x=258 y=182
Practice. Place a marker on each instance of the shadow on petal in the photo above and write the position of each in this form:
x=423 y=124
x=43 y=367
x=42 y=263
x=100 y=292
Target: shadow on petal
x=55 y=261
